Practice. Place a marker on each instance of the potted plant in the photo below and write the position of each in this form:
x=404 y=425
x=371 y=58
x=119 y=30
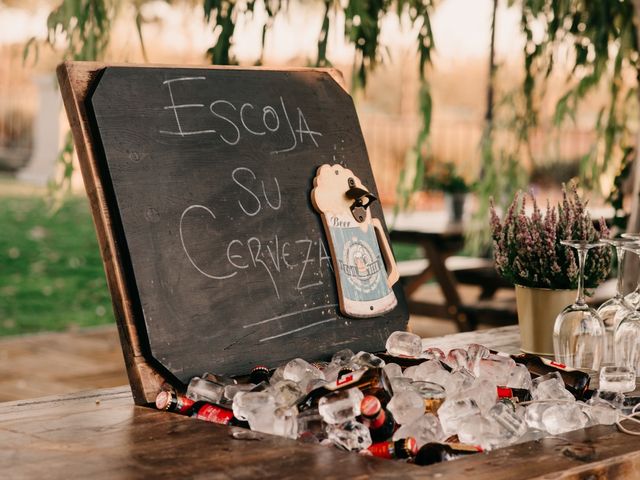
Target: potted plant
x=445 y=178
x=527 y=251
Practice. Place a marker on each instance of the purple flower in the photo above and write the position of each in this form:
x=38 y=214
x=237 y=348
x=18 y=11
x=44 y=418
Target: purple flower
x=527 y=248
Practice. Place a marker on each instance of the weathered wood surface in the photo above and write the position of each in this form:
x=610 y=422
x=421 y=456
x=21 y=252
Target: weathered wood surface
x=101 y=434
x=154 y=185
x=60 y=362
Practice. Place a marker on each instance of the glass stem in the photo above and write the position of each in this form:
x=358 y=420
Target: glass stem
x=582 y=255
x=620 y=254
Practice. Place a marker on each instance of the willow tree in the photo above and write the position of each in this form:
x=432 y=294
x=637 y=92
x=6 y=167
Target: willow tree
x=597 y=40
x=85 y=28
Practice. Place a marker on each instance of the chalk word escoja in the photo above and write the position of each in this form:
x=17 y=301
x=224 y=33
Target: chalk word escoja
x=240 y=121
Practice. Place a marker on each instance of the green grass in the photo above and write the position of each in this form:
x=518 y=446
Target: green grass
x=51 y=275
x=404 y=251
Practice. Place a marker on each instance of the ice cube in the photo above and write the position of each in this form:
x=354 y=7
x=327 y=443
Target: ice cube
x=433 y=353
x=262 y=418
x=511 y=426
x=404 y=344
x=615 y=399
x=519 y=378
x=393 y=370
x=311 y=427
x=342 y=357
x=479 y=430
x=476 y=352
x=457 y=358
x=278 y=375
x=454 y=411
x=483 y=392
x=563 y=417
x=600 y=413
x=496 y=368
x=432 y=395
x=533 y=415
x=550 y=387
x=221 y=379
x=366 y=359
x=286 y=393
x=285 y=422
x=410 y=372
x=617 y=379
x=201 y=389
x=341 y=406
x=230 y=391
x=302 y=372
x=352 y=436
x=400 y=384
x=604 y=408
x=406 y=406
x=428 y=367
x=461 y=379
x=248 y=403
x=315 y=383
x=425 y=429
x=432 y=371
x=331 y=371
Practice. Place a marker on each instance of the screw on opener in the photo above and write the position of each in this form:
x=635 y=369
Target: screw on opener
x=359 y=195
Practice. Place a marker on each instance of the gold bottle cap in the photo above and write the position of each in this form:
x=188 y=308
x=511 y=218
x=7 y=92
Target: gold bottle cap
x=163 y=400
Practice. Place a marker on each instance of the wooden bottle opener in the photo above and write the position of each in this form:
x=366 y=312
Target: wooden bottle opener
x=360 y=252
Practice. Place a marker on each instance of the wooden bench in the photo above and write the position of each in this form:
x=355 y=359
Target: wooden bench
x=467 y=270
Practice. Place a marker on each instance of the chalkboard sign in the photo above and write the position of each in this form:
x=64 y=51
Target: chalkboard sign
x=207 y=175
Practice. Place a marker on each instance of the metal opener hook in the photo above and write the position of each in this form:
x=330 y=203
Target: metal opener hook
x=359 y=195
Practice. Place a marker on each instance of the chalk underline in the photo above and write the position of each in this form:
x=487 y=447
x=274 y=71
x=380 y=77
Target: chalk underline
x=289 y=315
x=297 y=329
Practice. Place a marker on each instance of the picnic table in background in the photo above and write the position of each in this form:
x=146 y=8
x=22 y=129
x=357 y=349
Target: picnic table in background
x=439 y=242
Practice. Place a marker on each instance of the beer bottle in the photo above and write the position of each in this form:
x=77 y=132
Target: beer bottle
x=259 y=374
x=371 y=381
x=403 y=448
x=173 y=402
x=406 y=362
x=576 y=381
x=516 y=395
x=431 y=453
x=379 y=421
x=210 y=412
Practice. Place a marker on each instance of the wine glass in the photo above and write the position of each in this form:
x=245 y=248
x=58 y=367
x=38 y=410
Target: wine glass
x=626 y=337
x=633 y=298
x=615 y=309
x=579 y=338
x=627 y=342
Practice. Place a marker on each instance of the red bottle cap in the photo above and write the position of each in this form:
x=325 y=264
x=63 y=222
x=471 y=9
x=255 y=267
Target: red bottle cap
x=370 y=406
x=163 y=400
x=410 y=447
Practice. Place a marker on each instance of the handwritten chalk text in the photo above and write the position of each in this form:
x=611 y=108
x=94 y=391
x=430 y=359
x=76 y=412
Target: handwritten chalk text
x=234 y=122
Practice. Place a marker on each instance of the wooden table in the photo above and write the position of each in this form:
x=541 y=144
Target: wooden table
x=439 y=240
x=101 y=434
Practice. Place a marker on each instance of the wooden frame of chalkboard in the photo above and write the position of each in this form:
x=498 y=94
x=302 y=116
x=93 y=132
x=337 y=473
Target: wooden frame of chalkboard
x=111 y=107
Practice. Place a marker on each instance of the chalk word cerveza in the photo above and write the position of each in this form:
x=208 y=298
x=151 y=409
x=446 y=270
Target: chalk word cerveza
x=309 y=258
x=240 y=120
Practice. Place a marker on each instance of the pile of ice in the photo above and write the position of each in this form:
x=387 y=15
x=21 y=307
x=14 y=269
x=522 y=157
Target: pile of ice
x=449 y=396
